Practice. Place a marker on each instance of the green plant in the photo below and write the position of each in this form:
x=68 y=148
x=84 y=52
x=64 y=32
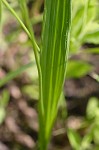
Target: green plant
x=92 y=122
x=84 y=29
x=51 y=58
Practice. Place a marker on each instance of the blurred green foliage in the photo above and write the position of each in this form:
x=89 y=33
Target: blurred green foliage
x=85 y=24
x=85 y=29
x=74 y=66
x=4 y=99
x=91 y=139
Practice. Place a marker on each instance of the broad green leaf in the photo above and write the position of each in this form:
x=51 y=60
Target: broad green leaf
x=53 y=59
x=91 y=33
x=77 y=69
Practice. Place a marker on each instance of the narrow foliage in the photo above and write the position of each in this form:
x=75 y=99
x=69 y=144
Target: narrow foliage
x=53 y=59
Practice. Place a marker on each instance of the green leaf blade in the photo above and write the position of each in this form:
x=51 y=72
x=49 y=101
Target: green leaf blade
x=53 y=58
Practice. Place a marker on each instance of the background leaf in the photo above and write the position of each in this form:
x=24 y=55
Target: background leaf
x=74 y=139
x=77 y=69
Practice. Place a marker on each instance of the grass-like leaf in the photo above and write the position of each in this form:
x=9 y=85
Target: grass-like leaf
x=53 y=59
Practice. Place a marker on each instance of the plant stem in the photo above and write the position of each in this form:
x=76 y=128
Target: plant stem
x=16 y=16
x=30 y=35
